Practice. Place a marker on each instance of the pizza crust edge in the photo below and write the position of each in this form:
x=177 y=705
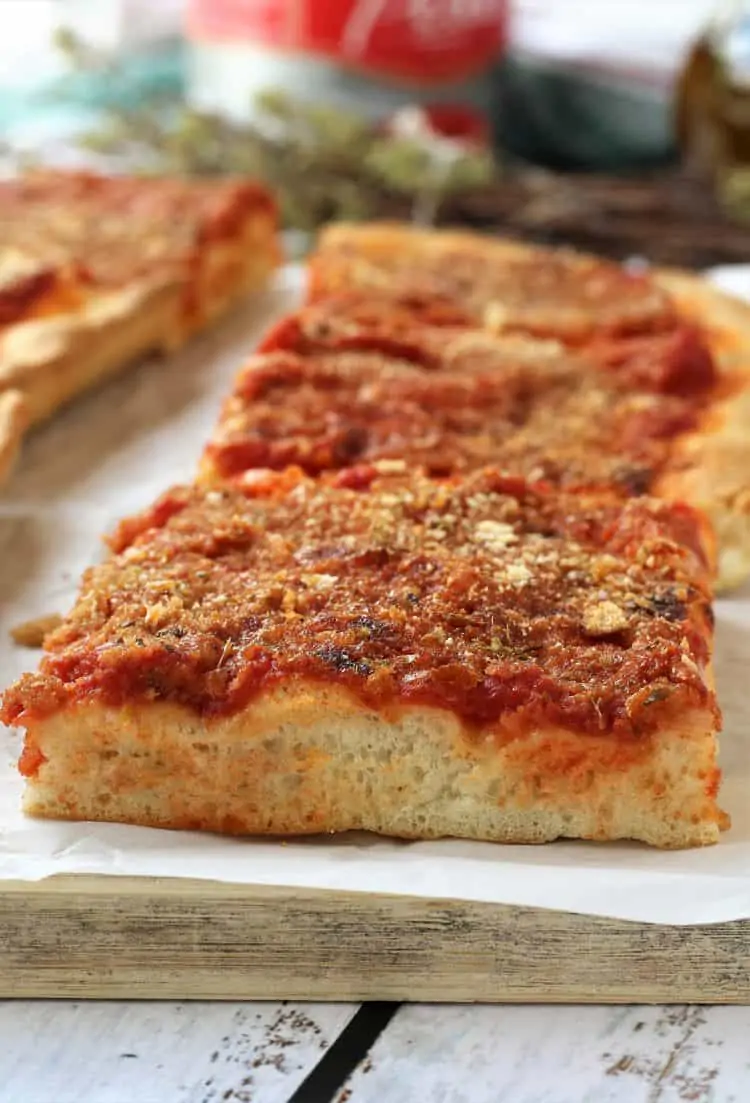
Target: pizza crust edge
x=53 y=359
x=710 y=466
x=50 y=360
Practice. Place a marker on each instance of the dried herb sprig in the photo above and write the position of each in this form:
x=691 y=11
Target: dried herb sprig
x=322 y=162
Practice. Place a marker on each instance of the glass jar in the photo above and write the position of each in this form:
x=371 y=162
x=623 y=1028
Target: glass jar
x=372 y=56
x=713 y=107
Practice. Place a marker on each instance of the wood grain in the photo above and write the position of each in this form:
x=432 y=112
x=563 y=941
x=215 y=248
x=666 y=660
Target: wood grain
x=60 y=1052
x=90 y=937
x=557 y=1055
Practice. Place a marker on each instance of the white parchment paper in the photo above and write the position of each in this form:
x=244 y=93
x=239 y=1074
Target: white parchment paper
x=111 y=453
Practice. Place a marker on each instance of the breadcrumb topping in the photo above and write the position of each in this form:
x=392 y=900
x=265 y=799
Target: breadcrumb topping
x=331 y=391
x=549 y=292
x=485 y=596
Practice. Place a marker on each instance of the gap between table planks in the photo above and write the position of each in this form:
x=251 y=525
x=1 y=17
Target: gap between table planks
x=557 y=1055
x=151 y=938
x=65 y=1052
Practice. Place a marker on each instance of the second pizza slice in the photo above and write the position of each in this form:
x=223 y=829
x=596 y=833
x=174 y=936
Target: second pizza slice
x=353 y=381
x=96 y=271
x=592 y=306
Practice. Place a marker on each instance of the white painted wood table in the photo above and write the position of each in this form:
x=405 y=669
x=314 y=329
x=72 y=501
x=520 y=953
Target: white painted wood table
x=64 y=1052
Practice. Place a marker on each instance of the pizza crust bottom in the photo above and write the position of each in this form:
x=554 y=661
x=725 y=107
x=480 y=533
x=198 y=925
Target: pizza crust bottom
x=312 y=759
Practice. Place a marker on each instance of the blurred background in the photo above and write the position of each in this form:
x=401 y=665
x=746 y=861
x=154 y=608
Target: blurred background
x=620 y=126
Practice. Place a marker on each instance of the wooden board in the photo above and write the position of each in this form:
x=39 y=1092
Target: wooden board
x=142 y=938
x=89 y=937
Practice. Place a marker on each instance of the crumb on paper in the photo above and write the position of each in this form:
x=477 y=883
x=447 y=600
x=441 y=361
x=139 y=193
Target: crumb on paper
x=31 y=633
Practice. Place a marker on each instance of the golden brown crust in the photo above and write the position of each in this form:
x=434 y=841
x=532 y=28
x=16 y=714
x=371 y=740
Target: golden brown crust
x=97 y=271
x=724 y=317
x=710 y=468
x=52 y=359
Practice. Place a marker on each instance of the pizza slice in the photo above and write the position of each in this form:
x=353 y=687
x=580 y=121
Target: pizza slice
x=675 y=359
x=498 y=283
x=337 y=409
x=526 y=407
x=666 y=324
x=96 y=271
x=474 y=657
x=351 y=381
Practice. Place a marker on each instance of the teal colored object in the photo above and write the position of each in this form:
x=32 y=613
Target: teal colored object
x=137 y=80
x=565 y=118
x=74 y=102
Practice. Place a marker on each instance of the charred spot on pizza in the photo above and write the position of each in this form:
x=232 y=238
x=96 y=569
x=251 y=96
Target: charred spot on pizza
x=635 y=481
x=350 y=445
x=372 y=628
x=342 y=661
x=669 y=605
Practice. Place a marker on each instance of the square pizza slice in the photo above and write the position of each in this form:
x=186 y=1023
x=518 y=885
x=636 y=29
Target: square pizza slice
x=498 y=283
x=524 y=406
x=96 y=271
x=674 y=320
x=351 y=381
x=473 y=657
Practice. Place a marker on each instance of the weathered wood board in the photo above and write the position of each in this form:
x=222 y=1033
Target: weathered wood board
x=91 y=936
x=116 y=937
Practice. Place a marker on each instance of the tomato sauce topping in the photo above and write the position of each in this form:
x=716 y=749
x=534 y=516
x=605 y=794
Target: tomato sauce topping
x=352 y=381
x=544 y=292
x=485 y=596
x=122 y=228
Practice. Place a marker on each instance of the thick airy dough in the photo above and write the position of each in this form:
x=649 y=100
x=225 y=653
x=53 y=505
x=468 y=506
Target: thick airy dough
x=308 y=759
x=51 y=360
x=233 y=269
x=710 y=467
